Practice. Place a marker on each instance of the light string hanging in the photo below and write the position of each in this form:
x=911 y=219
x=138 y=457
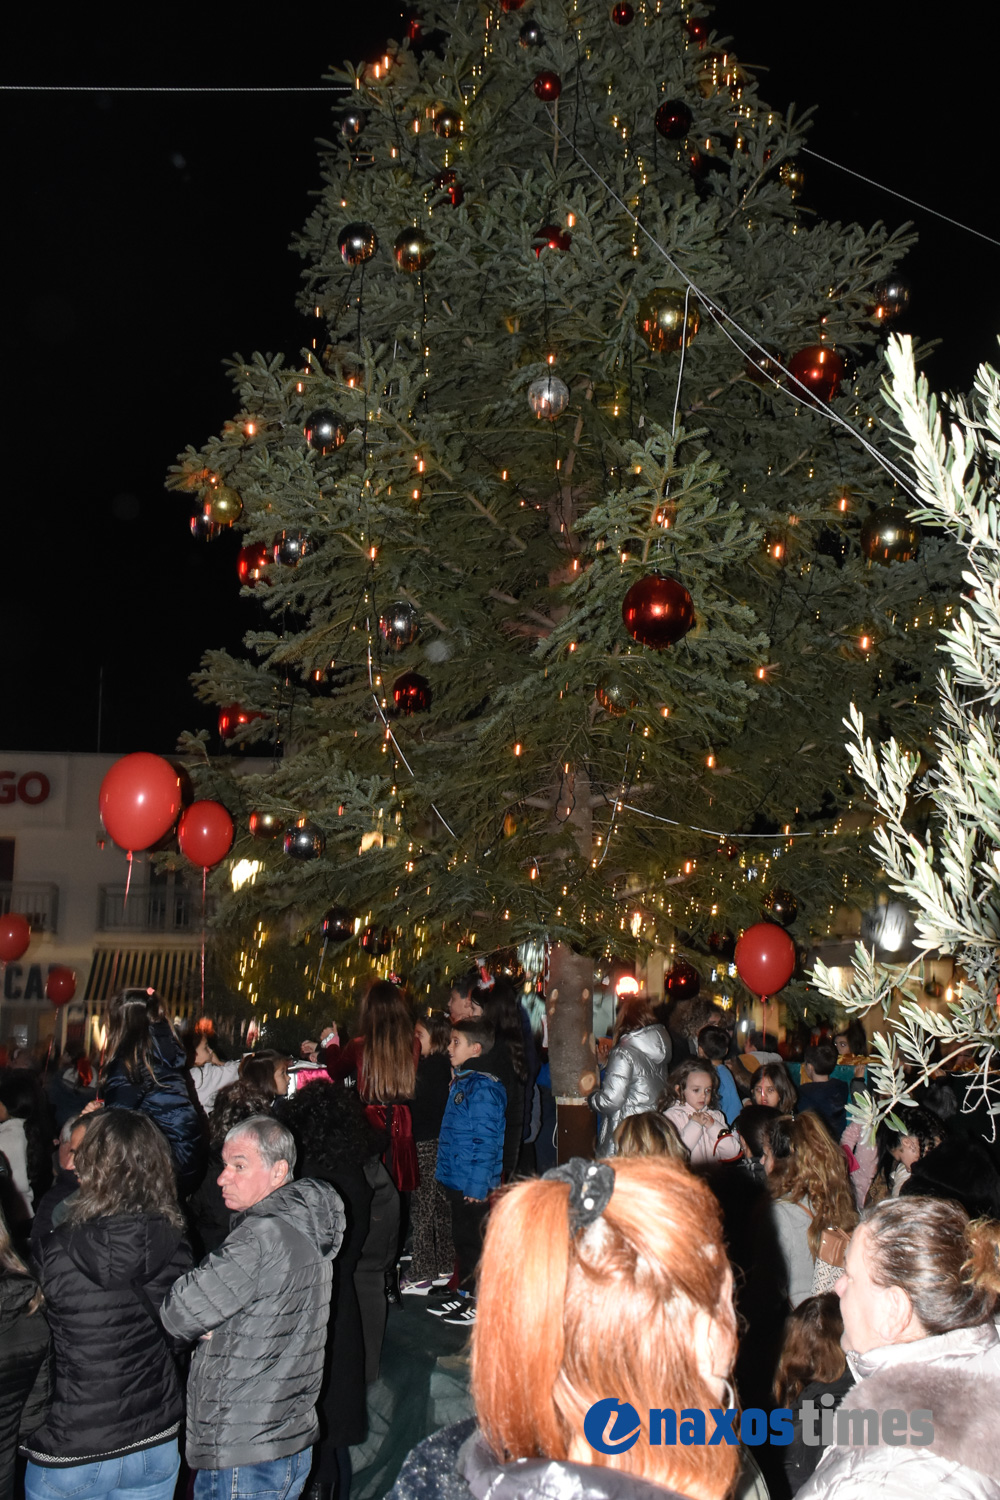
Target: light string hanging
x=719 y=315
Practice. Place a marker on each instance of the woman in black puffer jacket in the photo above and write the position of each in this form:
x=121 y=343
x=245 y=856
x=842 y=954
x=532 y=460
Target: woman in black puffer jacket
x=118 y=1400
x=24 y=1361
x=147 y=1070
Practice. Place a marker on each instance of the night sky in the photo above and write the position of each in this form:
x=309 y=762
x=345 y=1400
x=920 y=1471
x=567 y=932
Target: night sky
x=147 y=239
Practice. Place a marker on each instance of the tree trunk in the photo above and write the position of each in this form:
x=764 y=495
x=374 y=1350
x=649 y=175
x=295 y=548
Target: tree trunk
x=569 y=1007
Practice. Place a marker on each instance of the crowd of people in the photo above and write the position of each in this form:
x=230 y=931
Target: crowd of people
x=207 y=1249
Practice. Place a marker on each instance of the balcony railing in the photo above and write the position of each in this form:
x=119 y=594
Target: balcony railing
x=36 y=900
x=158 y=909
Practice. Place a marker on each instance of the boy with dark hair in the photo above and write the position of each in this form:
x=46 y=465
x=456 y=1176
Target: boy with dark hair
x=713 y=1046
x=470 y=1154
x=825 y=1096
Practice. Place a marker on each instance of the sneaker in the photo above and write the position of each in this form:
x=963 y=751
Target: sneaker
x=462 y=1317
x=404 y=1258
x=443 y=1309
x=417 y=1288
x=442 y=1280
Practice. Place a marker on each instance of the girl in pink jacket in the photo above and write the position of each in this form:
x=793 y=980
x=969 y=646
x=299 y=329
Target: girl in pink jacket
x=694 y=1090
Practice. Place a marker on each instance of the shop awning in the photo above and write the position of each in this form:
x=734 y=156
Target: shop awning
x=172 y=972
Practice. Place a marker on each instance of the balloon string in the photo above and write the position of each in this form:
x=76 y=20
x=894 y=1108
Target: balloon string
x=204 y=877
x=128 y=881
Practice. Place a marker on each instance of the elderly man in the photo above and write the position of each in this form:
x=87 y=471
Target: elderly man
x=258 y=1307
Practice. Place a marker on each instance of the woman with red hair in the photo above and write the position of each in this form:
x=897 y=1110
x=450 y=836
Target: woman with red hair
x=598 y=1280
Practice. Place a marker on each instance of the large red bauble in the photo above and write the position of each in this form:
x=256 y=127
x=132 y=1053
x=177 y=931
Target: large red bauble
x=673 y=119
x=233 y=717
x=682 y=980
x=140 y=798
x=551 y=236
x=411 y=693
x=765 y=958
x=205 y=833
x=547 y=86
x=657 y=611
x=820 y=369
x=622 y=14
x=15 y=935
x=60 y=986
x=251 y=562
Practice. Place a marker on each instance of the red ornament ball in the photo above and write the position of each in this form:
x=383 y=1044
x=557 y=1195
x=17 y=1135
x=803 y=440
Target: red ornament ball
x=820 y=369
x=765 y=958
x=547 y=86
x=552 y=237
x=251 y=562
x=622 y=14
x=447 y=182
x=508 y=5
x=411 y=693
x=657 y=611
x=697 y=29
x=15 y=935
x=233 y=718
x=266 y=826
x=683 y=980
x=673 y=119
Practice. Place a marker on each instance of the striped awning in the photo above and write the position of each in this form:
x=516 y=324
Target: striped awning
x=172 y=972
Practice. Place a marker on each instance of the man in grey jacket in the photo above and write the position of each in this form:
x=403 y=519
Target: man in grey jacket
x=258 y=1308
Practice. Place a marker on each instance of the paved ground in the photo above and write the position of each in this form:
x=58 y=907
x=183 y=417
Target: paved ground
x=413 y=1395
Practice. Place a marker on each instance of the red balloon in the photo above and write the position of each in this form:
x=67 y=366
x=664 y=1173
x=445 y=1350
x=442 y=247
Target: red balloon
x=15 y=935
x=205 y=833
x=765 y=958
x=140 y=799
x=61 y=984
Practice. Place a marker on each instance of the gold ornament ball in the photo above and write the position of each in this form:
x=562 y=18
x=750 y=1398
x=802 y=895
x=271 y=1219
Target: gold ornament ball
x=889 y=536
x=615 y=695
x=448 y=123
x=792 y=175
x=224 y=506
x=661 y=321
x=412 y=250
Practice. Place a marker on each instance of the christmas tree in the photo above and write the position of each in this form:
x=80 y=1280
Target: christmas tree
x=950 y=878
x=566 y=542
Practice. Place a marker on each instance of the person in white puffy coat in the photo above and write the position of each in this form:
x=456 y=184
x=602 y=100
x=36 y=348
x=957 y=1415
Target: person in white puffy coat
x=636 y=1073
x=918 y=1296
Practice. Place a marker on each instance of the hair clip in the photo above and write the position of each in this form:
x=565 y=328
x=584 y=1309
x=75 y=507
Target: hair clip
x=591 y=1184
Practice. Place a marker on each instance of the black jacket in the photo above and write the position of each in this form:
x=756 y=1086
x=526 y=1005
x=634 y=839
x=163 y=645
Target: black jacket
x=167 y=1100
x=24 y=1370
x=456 y=1464
x=431 y=1096
x=116 y=1385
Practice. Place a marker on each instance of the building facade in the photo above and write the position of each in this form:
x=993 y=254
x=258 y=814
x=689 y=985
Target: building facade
x=59 y=869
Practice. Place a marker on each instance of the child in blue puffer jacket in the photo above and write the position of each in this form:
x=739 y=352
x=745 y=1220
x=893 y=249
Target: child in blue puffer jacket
x=470 y=1148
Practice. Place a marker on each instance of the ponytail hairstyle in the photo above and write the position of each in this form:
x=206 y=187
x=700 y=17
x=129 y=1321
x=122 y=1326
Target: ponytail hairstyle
x=564 y=1317
x=811 y=1349
x=130 y=1040
x=388 y=1071
x=947 y=1265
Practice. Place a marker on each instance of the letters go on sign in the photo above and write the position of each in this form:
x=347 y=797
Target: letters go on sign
x=33 y=787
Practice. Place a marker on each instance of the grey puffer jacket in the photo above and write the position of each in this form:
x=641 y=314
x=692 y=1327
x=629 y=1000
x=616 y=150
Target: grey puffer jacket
x=457 y=1464
x=955 y=1378
x=634 y=1080
x=264 y=1299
